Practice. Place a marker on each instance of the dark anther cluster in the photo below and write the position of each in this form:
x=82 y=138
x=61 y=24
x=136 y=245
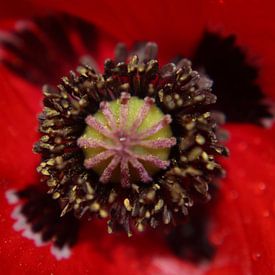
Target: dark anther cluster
x=177 y=90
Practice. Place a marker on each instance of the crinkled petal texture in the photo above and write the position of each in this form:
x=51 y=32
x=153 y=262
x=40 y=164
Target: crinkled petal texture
x=242 y=224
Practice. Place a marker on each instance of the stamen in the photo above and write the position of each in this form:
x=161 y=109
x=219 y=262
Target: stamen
x=126 y=139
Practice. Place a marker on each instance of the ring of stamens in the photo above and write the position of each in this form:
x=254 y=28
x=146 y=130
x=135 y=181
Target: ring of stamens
x=143 y=144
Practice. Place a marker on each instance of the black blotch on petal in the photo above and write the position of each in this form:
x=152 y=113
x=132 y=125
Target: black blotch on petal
x=235 y=79
x=43 y=214
x=44 y=49
x=190 y=240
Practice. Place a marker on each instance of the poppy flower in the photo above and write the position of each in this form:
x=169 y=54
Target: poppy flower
x=232 y=234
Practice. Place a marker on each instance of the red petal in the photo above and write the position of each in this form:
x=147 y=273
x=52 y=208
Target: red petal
x=243 y=222
x=176 y=27
x=18 y=9
x=19 y=105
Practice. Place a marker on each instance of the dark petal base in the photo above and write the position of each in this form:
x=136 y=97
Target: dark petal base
x=189 y=241
x=44 y=49
x=42 y=213
x=234 y=78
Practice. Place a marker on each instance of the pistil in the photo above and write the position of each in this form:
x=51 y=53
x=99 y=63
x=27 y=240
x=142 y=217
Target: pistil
x=126 y=137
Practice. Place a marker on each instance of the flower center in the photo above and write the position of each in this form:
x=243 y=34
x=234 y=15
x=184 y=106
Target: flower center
x=127 y=139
